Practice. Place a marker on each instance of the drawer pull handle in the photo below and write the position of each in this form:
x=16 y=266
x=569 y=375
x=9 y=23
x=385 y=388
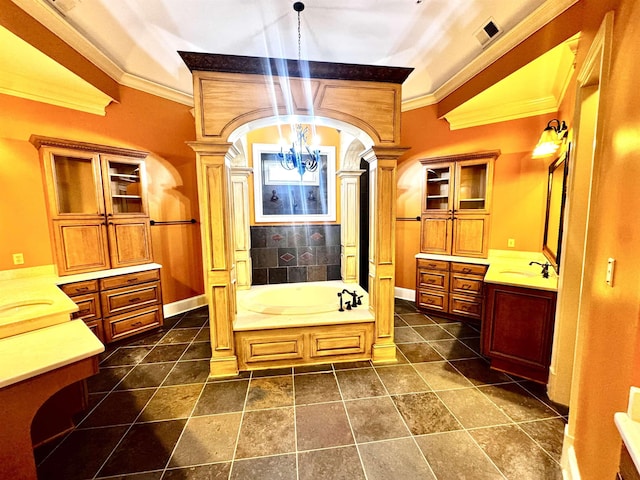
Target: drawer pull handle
x=431 y=280
x=82 y=289
x=84 y=311
x=432 y=265
x=466 y=270
x=466 y=286
x=136 y=299
x=429 y=300
x=129 y=280
x=136 y=324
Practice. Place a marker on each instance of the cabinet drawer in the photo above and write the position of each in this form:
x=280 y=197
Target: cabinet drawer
x=465 y=284
x=429 y=279
x=273 y=347
x=129 y=279
x=340 y=342
x=89 y=307
x=432 y=300
x=468 y=306
x=124 y=299
x=97 y=329
x=131 y=323
x=433 y=264
x=80 y=288
x=468 y=268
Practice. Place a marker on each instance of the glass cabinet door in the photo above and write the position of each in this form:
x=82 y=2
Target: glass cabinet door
x=438 y=188
x=123 y=186
x=76 y=184
x=472 y=186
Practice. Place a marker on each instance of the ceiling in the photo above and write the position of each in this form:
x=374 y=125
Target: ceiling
x=136 y=42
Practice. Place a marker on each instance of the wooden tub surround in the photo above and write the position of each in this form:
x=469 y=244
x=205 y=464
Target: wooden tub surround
x=230 y=93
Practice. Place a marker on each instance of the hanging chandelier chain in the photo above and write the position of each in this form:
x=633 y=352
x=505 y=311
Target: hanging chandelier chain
x=299 y=40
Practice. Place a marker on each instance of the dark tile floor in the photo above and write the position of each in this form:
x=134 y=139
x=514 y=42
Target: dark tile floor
x=439 y=413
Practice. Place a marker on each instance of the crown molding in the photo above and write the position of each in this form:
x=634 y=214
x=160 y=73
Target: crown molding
x=156 y=89
x=505 y=43
x=44 y=91
x=502 y=112
x=418 y=102
x=55 y=22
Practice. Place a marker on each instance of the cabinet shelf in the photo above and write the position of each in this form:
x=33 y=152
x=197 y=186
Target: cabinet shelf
x=480 y=199
x=434 y=197
x=437 y=180
x=126 y=196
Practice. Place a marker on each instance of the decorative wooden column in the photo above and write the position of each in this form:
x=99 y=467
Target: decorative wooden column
x=382 y=239
x=214 y=188
x=240 y=220
x=349 y=224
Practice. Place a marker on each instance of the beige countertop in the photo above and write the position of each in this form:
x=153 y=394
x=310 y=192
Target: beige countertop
x=628 y=424
x=45 y=349
x=30 y=299
x=509 y=267
x=36 y=331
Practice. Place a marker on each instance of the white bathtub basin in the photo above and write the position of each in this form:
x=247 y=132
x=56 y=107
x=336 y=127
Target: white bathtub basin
x=296 y=299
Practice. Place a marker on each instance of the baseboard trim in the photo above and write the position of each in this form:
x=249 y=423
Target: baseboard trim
x=405 y=293
x=181 y=306
x=569 y=461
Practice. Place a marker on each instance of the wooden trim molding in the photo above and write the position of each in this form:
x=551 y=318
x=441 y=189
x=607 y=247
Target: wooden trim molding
x=40 y=141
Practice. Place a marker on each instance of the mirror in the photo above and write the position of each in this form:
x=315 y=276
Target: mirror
x=556 y=196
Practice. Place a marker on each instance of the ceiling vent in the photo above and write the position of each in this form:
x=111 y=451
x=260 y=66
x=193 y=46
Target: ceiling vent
x=487 y=32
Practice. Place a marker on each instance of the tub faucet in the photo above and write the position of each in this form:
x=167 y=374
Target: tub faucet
x=545 y=268
x=356 y=300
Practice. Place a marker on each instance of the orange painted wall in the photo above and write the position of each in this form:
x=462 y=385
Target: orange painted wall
x=608 y=361
x=272 y=135
x=139 y=121
x=519 y=188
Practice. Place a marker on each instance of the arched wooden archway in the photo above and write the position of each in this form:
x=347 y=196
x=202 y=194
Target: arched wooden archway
x=231 y=91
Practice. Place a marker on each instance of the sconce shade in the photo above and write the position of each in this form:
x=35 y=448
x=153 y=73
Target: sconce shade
x=551 y=138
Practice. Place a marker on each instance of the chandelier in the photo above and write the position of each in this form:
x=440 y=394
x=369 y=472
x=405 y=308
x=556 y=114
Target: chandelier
x=299 y=156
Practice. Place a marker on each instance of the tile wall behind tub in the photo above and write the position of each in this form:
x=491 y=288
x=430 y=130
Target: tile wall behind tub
x=295 y=253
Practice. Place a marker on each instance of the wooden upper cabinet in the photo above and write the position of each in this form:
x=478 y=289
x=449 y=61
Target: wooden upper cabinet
x=456 y=204
x=97 y=205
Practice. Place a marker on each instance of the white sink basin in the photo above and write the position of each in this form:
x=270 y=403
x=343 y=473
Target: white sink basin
x=516 y=273
x=24 y=307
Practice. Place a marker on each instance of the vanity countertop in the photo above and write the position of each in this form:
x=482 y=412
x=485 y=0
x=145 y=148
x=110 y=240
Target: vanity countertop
x=508 y=267
x=30 y=299
x=56 y=346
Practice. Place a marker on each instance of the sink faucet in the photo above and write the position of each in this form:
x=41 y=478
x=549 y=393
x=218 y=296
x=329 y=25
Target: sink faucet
x=356 y=300
x=545 y=268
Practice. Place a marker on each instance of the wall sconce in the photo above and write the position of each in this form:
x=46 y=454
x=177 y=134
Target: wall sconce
x=552 y=137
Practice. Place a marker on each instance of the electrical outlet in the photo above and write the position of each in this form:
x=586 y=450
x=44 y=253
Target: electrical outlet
x=18 y=259
x=511 y=243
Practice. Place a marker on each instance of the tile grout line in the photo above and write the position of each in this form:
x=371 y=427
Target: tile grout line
x=353 y=433
x=244 y=409
x=404 y=421
x=145 y=405
x=195 y=404
x=295 y=419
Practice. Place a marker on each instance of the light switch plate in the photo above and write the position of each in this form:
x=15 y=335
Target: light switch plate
x=610 y=266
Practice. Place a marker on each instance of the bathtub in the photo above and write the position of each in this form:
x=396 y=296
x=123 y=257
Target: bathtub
x=298 y=304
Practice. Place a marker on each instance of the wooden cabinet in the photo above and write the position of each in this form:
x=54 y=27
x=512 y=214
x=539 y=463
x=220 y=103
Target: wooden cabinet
x=517 y=330
x=456 y=204
x=97 y=205
x=450 y=287
x=118 y=306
